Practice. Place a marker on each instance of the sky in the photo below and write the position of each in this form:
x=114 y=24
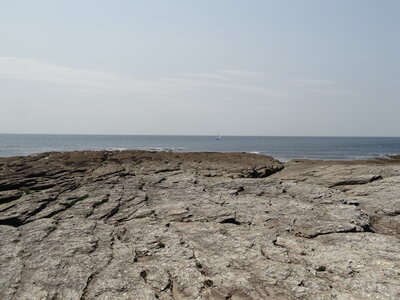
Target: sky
x=238 y=67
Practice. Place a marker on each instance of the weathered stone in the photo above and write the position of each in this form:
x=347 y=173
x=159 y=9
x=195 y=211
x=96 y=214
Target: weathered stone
x=153 y=225
x=9 y=196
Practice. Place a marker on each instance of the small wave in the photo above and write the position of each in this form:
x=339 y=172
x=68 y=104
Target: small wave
x=164 y=149
x=116 y=149
x=389 y=154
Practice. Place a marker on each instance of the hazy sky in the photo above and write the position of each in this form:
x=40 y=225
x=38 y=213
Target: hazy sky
x=200 y=67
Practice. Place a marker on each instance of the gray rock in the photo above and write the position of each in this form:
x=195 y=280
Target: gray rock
x=150 y=225
x=9 y=196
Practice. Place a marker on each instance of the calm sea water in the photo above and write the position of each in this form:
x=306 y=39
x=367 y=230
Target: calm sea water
x=282 y=148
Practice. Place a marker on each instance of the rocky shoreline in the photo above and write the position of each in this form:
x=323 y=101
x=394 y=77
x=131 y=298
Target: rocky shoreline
x=153 y=225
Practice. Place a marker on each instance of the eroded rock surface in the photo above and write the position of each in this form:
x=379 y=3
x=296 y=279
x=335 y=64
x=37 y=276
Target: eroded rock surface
x=150 y=225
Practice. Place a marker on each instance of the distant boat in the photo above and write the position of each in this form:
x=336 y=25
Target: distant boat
x=218 y=137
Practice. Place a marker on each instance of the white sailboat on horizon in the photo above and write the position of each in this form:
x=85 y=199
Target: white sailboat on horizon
x=218 y=137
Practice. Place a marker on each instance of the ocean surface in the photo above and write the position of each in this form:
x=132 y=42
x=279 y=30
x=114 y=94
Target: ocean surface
x=282 y=148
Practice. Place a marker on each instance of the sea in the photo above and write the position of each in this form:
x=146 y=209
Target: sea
x=283 y=148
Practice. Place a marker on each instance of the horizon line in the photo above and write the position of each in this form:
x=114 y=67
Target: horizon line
x=203 y=135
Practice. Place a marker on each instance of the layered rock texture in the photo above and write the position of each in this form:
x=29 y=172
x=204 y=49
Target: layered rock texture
x=147 y=225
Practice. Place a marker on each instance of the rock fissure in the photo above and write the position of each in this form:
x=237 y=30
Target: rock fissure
x=89 y=280
x=85 y=289
x=357 y=181
x=351 y=230
x=113 y=211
